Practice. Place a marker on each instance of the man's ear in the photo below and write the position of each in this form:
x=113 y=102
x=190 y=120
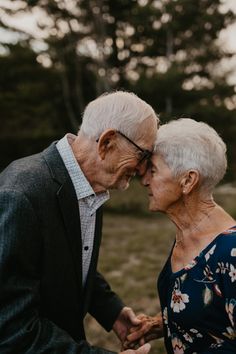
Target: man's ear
x=189 y=181
x=106 y=142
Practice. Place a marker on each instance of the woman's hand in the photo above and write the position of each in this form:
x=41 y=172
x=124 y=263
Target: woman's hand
x=150 y=328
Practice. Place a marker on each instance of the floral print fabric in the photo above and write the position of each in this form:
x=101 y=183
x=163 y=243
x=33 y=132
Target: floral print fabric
x=199 y=302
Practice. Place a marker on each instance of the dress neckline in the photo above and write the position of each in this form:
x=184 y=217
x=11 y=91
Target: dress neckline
x=203 y=253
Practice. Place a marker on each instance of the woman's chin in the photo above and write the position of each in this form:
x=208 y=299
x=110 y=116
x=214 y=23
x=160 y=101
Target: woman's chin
x=154 y=208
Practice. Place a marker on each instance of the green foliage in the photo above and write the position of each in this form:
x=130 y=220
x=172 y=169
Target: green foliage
x=166 y=51
x=30 y=96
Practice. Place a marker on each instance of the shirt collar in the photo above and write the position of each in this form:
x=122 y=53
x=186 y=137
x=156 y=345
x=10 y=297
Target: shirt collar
x=82 y=186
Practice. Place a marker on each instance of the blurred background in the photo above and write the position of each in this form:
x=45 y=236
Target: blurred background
x=178 y=55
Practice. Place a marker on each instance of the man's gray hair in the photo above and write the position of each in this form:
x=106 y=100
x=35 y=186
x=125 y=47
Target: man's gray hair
x=123 y=111
x=186 y=144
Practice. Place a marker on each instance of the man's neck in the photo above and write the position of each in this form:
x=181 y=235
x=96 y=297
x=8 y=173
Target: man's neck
x=85 y=152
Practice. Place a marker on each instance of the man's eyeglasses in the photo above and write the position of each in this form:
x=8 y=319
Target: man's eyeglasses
x=146 y=154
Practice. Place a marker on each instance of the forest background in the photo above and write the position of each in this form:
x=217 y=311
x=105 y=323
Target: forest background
x=172 y=53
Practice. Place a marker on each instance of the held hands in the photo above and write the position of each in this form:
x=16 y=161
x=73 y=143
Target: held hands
x=150 y=328
x=125 y=321
x=134 y=331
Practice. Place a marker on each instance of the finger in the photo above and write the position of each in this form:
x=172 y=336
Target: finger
x=132 y=317
x=128 y=345
x=142 y=341
x=135 y=335
x=150 y=336
x=141 y=316
x=144 y=349
x=135 y=328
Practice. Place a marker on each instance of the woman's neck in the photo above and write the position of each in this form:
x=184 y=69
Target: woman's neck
x=199 y=221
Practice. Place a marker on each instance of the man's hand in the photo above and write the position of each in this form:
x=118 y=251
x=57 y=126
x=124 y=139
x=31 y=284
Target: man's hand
x=149 y=329
x=124 y=322
x=141 y=350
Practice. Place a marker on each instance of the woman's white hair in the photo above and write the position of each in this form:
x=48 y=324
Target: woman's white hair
x=123 y=111
x=186 y=144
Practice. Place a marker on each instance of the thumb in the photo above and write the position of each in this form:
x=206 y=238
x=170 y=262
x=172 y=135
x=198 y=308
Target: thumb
x=132 y=317
x=144 y=349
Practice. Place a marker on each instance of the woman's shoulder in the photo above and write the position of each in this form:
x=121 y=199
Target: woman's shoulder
x=222 y=247
x=226 y=244
x=227 y=237
x=230 y=231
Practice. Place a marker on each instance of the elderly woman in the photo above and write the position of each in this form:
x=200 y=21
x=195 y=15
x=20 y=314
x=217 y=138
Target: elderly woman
x=197 y=286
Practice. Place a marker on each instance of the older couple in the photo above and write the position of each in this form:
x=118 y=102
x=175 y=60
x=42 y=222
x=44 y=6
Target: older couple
x=50 y=232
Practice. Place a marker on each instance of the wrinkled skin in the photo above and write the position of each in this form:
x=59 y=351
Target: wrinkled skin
x=150 y=328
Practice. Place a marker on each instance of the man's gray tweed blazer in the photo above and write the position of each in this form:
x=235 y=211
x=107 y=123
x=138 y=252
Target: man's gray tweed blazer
x=42 y=302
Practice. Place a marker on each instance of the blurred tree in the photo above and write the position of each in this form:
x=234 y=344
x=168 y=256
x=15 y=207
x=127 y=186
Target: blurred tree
x=31 y=101
x=30 y=96
x=167 y=51
x=188 y=75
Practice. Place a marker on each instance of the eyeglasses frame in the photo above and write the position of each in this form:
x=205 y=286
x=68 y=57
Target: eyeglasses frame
x=146 y=153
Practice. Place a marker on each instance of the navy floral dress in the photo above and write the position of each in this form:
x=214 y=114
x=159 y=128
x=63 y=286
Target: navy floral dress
x=198 y=303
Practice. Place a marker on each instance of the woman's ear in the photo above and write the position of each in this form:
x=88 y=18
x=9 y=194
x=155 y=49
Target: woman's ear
x=189 y=181
x=106 y=142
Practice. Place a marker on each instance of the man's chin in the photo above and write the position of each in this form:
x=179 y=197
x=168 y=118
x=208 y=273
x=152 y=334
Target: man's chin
x=123 y=184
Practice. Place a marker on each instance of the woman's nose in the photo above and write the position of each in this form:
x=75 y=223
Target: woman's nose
x=145 y=178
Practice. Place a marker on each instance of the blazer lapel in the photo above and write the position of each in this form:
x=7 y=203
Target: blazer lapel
x=70 y=212
x=68 y=205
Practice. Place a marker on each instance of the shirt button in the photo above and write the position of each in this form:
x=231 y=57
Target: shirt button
x=86 y=248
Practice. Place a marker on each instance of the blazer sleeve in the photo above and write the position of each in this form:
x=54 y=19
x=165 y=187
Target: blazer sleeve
x=22 y=330
x=105 y=305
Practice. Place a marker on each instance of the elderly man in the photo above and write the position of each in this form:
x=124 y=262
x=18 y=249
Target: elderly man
x=50 y=230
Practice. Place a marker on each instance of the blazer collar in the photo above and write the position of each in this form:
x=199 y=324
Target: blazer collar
x=55 y=164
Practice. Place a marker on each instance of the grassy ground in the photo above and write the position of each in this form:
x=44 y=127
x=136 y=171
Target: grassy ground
x=134 y=248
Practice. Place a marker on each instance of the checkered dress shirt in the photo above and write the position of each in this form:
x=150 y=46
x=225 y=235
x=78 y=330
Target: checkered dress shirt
x=88 y=201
